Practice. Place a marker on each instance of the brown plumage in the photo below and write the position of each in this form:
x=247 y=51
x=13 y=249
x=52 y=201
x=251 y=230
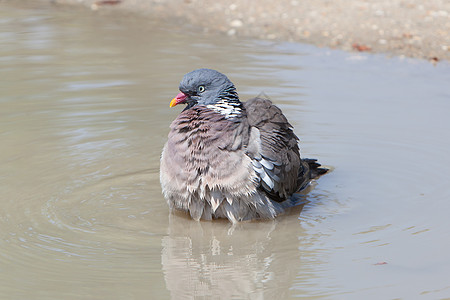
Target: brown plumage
x=228 y=159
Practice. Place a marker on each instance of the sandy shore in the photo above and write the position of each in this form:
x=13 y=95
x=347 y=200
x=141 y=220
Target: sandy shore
x=411 y=28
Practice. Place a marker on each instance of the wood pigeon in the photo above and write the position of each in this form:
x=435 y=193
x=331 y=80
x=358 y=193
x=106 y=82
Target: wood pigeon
x=230 y=159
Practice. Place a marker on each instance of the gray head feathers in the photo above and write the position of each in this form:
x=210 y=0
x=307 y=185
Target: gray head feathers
x=207 y=87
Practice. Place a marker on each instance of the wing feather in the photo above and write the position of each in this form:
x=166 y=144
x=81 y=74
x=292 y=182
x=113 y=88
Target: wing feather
x=273 y=148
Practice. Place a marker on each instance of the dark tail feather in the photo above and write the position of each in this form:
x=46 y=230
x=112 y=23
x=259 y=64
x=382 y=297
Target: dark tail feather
x=314 y=168
x=311 y=169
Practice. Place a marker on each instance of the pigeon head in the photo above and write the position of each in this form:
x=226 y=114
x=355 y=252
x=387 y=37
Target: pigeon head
x=205 y=87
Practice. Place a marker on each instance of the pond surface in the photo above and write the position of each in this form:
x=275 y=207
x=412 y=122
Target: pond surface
x=84 y=115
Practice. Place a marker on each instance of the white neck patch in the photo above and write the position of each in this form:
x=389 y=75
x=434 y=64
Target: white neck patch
x=228 y=109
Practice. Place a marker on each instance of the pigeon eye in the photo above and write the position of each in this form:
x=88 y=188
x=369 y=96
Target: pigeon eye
x=201 y=89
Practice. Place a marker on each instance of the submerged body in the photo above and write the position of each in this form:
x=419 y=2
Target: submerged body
x=228 y=159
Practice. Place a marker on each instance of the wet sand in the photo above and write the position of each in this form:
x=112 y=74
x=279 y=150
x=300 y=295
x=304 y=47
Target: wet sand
x=410 y=28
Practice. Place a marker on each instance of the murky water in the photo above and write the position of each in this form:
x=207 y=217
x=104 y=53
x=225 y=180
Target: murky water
x=83 y=117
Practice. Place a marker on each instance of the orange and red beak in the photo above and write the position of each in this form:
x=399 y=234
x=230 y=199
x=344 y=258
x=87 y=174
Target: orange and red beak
x=180 y=98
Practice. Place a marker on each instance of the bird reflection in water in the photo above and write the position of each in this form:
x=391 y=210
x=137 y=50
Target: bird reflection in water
x=217 y=259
